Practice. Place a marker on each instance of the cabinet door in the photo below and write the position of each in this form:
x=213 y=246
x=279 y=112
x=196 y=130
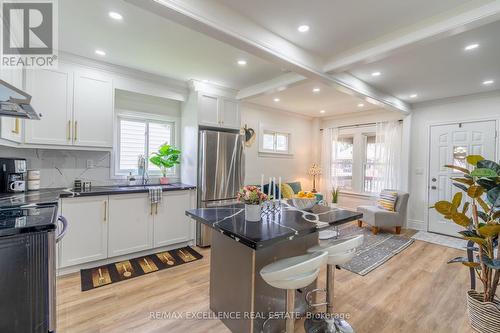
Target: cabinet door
x=11 y=127
x=87 y=235
x=208 y=110
x=130 y=224
x=230 y=113
x=171 y=225
x=93 y=110
x=52 y=96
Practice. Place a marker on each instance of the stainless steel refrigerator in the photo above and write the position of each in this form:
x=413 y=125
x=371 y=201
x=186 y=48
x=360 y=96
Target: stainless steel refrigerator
x=221 y=172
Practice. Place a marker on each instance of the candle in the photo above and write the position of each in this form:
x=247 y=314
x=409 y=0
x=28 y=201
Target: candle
x=274 y=188
x=279 y=188
x=262 y=183
x=269 y=189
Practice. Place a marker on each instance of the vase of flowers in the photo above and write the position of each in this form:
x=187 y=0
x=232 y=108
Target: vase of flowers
x=252 y=197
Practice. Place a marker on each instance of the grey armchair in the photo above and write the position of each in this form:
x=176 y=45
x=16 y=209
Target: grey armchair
x=380 y=218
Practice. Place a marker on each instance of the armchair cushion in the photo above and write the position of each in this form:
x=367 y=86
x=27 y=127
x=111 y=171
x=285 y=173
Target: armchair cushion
x=296 y=187
x=387 y=200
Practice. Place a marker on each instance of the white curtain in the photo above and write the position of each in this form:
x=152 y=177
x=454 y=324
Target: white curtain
x=329 y=140
x=388 y=155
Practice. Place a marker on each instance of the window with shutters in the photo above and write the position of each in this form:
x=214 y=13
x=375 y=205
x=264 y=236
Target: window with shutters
x=141 y=137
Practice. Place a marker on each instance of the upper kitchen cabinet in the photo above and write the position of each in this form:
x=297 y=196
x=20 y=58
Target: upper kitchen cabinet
x=93 y=110
x=52 y=97
x=11 y=128
x=230 y=113
x=208 y=110
x=76 y=106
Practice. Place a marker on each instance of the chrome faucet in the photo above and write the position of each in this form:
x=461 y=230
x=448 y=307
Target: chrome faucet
x=141 y=166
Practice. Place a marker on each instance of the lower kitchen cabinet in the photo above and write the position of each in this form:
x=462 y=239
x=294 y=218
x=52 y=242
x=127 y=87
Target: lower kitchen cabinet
x=87 y=236
x=171 y=225
x=130 y=224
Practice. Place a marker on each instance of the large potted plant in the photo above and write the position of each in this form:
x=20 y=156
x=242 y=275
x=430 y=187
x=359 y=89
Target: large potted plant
x=167 y=157
x=479 y=216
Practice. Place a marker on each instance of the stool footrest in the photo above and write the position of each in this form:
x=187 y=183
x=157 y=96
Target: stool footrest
x=308 y=297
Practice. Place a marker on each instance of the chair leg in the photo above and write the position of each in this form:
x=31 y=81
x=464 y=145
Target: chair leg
x=290 y=308
x=360 y=223
x=375 y=230
x=398 y=230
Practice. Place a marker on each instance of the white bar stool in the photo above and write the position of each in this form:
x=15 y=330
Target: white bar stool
x=291 y=274
x=340 y=251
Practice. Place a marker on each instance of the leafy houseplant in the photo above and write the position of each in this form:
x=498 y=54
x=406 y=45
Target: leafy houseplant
x=335 y=195
x=166 y=157
x=480 y=216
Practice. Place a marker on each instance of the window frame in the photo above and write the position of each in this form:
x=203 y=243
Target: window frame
x=146 y=118
x=275 y=132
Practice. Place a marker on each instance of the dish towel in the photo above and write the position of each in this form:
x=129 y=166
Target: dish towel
x=155 y=194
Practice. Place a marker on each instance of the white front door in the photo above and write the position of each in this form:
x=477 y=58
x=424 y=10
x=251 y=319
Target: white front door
x=450 y=144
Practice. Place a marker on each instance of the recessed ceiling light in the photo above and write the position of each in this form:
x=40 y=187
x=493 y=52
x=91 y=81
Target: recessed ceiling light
x=322 y=111
x=100 y=52
x=276 y=99
x=471 y=47
x=303 y=28
x=316 y=90
x=413 y=96
x=488 y=82
x=376 y=74
x=360 y=105
x=242 y=62
x=115 y=16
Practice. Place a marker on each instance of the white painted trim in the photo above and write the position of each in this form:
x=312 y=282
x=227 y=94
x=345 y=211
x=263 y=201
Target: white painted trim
x=251 y=105
x=416 y=225
x=274 y=85
x=429 y=126
x=212 y=89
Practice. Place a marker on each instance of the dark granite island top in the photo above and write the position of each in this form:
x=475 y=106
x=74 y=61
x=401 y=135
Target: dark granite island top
x=291 y=223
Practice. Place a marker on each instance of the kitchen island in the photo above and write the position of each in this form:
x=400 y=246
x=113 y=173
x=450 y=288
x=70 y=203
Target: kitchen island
x=238 y=295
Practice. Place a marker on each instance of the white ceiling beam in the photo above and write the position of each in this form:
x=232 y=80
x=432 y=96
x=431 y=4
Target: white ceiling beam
x=272 y=86
x=467 y=17
x=226 y=25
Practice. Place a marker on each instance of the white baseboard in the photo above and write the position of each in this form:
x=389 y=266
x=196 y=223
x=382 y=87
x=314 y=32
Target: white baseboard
x=416 y=225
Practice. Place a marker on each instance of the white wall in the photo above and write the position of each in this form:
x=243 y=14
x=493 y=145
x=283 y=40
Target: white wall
x=291 y=168
x=472 y=107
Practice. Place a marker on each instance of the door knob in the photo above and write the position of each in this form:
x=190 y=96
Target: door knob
x=434 y=179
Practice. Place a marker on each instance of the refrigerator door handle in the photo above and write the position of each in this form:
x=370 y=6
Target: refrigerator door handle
x=64 y=224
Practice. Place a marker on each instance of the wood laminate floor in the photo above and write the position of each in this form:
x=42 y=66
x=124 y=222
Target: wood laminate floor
x=415 y=291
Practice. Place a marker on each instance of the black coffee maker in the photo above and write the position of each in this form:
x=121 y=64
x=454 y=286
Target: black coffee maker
x=12 y=175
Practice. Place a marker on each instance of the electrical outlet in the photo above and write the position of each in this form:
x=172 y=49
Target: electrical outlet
x=90 y=164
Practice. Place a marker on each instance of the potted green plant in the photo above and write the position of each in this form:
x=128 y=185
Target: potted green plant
x=335 y=196
x=479 y=216
x=167 y=157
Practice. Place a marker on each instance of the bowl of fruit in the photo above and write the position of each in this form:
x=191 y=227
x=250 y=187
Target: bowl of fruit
x=304 y=200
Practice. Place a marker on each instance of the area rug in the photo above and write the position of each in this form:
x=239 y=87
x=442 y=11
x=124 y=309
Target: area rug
x=443 y=240
x=376 y=249
x=128 y=269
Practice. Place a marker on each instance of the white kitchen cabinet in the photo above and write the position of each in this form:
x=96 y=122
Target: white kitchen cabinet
x=11 y=128
x=87 y=236
x=229 y=113
x=93 y=110
x=208 y=110
x=130 y=224
x=52 y=96
x=171 y=225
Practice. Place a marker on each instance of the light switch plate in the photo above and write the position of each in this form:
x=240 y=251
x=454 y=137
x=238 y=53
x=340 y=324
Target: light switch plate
x=90 y=164
x=419 y=171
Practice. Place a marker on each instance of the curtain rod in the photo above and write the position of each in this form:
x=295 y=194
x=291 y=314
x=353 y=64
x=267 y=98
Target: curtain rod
x=359 y=125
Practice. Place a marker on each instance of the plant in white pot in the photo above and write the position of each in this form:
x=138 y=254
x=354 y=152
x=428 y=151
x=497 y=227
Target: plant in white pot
x=480 y=216
x=253 y=198
x=167 y=157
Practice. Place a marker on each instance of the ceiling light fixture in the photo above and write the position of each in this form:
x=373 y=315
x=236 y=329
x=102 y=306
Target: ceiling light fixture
x=276 y=99
x=413 y=96
x=360 y=105
x=303 y=28
x=376 y=74
x=242 y=62
x=322 y=111
x=316 y=90
x=100 y=53
x=115 y=16
x=471 y=47
x=488 y=82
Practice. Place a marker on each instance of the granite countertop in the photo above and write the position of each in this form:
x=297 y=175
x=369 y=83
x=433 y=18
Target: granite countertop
x=52 y=196
x=292 y=222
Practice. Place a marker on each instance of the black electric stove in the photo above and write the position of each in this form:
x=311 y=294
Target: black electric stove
x=21 y=220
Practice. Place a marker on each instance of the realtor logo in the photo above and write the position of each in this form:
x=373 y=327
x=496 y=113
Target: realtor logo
x=29 y=33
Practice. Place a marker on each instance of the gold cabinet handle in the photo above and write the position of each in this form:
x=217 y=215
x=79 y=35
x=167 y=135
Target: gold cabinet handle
x=156 y=209
x=75 y=130
x=16 y=127
x=105 y=211
x=69 y=130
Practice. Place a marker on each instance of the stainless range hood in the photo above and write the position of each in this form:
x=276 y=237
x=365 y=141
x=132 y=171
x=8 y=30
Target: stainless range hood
x=15 y=103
